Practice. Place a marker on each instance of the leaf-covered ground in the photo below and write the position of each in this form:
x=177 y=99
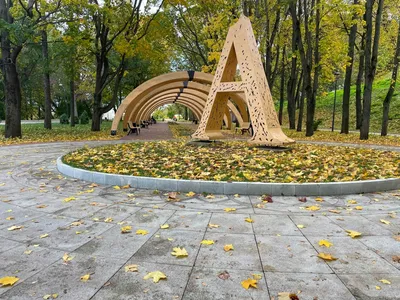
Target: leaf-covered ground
x=236 y=161
x=35 y=133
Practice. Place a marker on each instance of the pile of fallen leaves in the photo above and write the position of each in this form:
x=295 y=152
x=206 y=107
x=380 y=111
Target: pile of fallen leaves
x=238 y=161
x=35 y=133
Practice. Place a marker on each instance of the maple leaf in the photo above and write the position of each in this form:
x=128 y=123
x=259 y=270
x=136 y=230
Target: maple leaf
x=236 y=195
x=126 y=229
x=353 y=233
x=313 y=208
x=256 y=276
x=165 y=226
x=142 y=231
x=12 y=228
x=211 y=196
x=41 y=206
x=302 y=199
x=384 y=221
x=213 y=225
x=326 y=256
x=249 y=220
x=77 y=223
x=44 y=236
x=68 y=199
x=385 y=281
x=207 y=242
x=335 y=211
x=358 y=208
x=377 y=287
x=54 y=296
x=396 y=258
x=27 y=252
x=131 y=268
x=190 y=194
x=287 y=296
x=5 y=281
x=351 y=201
x=325 y=243
x=126 y=186
x=172 y=195
x=116 y=187
x=397 y=238
x=156 y=275
x=300 y=226
x=108 y=220
x=67 y=258
x=229 y=209
x=249 y=282
x=85 y=278
x=266 y=198
x=10 y=218
x=179 y=252
x=228 y=247
x=319 y=199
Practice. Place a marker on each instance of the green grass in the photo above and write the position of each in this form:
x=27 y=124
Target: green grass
x=324 y=107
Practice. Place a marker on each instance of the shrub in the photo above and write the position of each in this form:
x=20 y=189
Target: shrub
x=316 y=124
x=84 y=119
x=64 y=119
x=76 y=119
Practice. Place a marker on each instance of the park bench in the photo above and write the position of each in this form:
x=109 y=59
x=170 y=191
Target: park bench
x=246 y=126
x=144 y=124
x=133 y=128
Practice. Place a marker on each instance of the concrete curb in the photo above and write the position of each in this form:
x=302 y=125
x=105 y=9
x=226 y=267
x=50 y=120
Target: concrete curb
x=230 y=188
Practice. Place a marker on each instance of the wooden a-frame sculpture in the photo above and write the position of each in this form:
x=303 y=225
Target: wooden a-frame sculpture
x=241 y=50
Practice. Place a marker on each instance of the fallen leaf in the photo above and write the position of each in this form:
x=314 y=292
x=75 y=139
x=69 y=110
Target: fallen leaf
x=68 y=199
x=179 y=252
x=10 y=218
x=67 y=258
x=172 y=195
x=351 y=201
x=229 y=209
x=385 y=281
x=213 y=225
x=190 y=194
x=325 y=243
x=313 y=208
x=77 y=223
x=41 y=206
x=249 y=282
x=353 y=233
x=131 y=268
x=52 y=296
x=266 y=198
x=27 y=252
x=228 y=247
x=300 y=226
x=224 y=275
x=249 y=220
x=126 y=229
x=384 y=221
x=5 y=281
x=156 y=275
x=358 y=208
x=319 y=199
x=326 y=256
x=207 y=242
x=12 y=228
x=377 y=287
x=126 y=187
x=335 y=211
x=287 y=296
x=142 y=231
x=108 y=220
x=396 y=258
x=302 y=199
x=256 y=276
x=85 y=278
x=116 y=187
x=165 y=226
x=211 y=196
x=397 y=238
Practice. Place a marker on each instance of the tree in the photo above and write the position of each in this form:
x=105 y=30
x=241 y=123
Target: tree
x=389 y=95
x=371 y=60
x=46 y=80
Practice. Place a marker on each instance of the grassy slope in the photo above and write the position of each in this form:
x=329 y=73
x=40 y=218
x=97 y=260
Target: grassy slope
x=324 y=108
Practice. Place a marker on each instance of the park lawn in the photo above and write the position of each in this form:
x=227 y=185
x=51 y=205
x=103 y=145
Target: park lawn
x=35 y=133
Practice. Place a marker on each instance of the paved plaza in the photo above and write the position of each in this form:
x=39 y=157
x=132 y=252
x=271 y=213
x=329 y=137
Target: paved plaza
x=71 y=228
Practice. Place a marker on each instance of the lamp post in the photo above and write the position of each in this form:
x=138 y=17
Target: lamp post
x=336 y=73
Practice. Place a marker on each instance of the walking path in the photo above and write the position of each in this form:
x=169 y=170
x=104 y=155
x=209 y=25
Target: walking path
x=61 y=215
x=159 y=131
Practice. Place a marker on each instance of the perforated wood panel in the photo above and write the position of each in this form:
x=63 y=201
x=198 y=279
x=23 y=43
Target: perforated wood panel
x=240 y=51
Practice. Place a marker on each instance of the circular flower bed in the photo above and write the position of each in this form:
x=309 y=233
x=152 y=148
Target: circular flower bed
x=238 y=161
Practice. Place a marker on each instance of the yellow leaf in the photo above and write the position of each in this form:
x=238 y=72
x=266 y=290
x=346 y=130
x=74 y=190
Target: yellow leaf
x=78 y=232
x=378 y=287
x=126 y=229
x=27 y=252
x=211 y=196
x=229 y=209
x=156 y=275
x=358 y=208
x=69 y=199
x=351 y=201
x=213 y=225
x=319 y=199
x=67 y=258
x=385 y=281
x=126 y=186
x=89 y=191
x=8 y=281
x=15 y=228
x=249 y=283
x=131 y=268
x=236 y=195
x=165 y=226
x=207 y=242
x=325 y=243
x=326 y=256
x=228 y=247
x=41 y=206
x=85 y=278
x=179 y=252
x=142 y=231
x=190 y=194
x=44 y=235
x=256 y=276
x=353 y=233
x=10 y=218
x=300 y=226
x=313 y=208
x=108 y=220
x=287 y=296
x=249 y=220
x=116 y=187
x=335 y=211
x=385 y=222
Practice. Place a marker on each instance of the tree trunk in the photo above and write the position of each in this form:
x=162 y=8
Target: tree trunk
x=301 y=111
x=72 y=92
x=96 y=116
x=360 y=76
x=46 y=80
x=371 y=60
x=291 y=85
x=389 y=95
x=347 y=80
x=282 y=91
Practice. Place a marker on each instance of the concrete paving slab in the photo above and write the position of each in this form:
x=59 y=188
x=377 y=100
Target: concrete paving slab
x=116 y=212
x=360 y=224
x=317 y=224
x=196 y=221
x=385 y=246
x=153 y=218
x=230 y=223
x=274 y=224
